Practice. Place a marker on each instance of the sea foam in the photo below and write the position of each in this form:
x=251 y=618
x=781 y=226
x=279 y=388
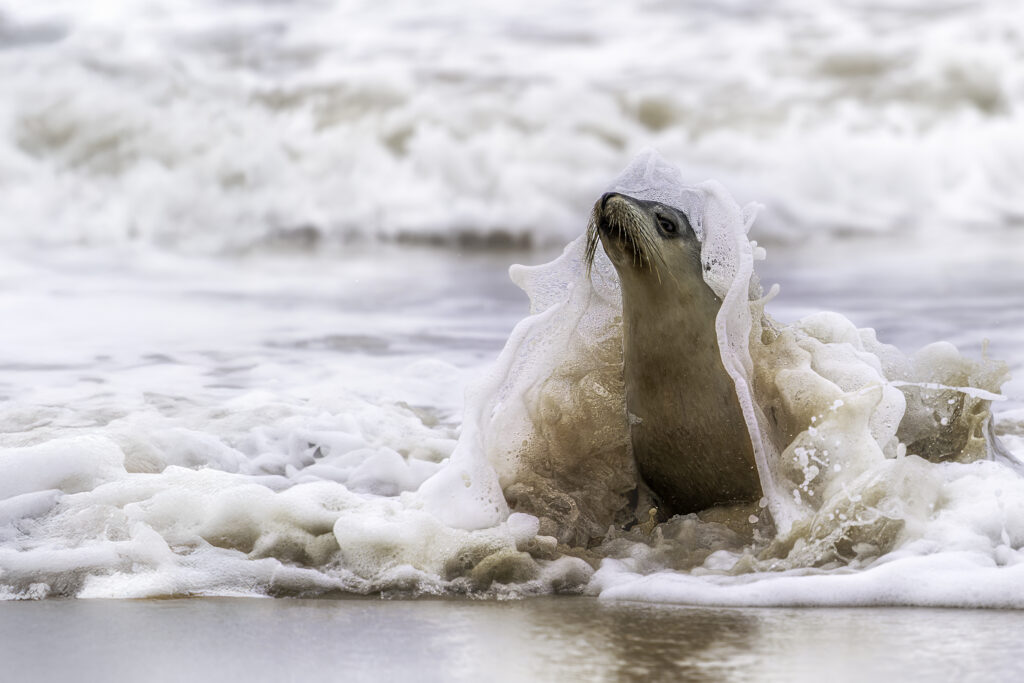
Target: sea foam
x=204 y=126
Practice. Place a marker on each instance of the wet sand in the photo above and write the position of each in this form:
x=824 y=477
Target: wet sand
x=556 y=639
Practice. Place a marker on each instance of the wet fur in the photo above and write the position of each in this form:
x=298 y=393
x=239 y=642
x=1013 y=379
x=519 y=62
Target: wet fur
x=687 y=430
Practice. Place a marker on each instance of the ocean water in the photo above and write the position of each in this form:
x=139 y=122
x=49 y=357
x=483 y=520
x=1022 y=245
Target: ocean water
x=217 y=126
x=254 y=254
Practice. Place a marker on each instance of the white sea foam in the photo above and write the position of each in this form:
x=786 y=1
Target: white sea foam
x=205 y=125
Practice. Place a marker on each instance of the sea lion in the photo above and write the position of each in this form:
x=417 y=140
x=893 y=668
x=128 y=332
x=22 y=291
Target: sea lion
x=689 y=436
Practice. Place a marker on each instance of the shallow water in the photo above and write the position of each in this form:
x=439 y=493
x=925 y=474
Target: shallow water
x=92 y=336
x=544 y=639
x=87 y=318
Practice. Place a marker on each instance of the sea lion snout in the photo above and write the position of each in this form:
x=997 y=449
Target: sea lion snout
x=605 y=197
x=625 y=226
x=616 y=212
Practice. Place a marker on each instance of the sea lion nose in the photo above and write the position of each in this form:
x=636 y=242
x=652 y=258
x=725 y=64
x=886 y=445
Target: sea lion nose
x=606 y=196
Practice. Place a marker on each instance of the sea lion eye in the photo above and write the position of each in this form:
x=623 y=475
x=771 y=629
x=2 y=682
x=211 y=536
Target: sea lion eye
x=666 y=225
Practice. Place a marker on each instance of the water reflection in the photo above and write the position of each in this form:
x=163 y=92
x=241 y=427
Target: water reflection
x=544 y=639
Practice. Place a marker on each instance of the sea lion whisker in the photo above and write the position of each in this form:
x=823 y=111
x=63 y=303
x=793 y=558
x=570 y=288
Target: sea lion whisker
x=659 y=256
x=593 y=239
x=636 y=236
x=650 y=252
x=654 y=261
x=648 y=247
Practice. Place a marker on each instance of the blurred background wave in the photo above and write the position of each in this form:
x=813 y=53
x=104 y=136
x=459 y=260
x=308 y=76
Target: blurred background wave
x=213 y=126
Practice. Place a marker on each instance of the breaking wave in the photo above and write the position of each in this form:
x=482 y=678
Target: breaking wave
x=210 y=126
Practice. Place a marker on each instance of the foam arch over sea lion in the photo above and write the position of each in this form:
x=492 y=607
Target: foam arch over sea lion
x=828 y=408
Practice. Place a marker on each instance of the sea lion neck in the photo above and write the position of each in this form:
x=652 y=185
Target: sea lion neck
x=668 y=310
x=674 y=293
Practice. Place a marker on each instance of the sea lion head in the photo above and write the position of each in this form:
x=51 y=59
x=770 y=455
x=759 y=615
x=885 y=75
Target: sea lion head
x=649 y=243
